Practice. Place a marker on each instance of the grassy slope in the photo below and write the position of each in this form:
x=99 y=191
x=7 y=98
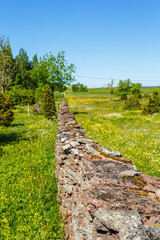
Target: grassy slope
x=131 y=132
x=28 y=189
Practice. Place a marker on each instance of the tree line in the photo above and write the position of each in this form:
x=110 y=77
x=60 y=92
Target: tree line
x=28 y=81
x=47 y=71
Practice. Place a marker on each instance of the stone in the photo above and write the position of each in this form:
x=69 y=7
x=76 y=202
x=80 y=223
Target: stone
x=117 y=220
x=140 y=233
x=158 y=193
x=129 y=173
x=75 y=151
x=111 y=152
x=92 y=150
x=74 y=143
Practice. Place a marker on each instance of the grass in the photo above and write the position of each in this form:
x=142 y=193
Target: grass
x=28 y=187
x=132 y=133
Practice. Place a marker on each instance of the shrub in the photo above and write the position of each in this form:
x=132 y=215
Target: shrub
x=37 y=108
x=6 y=113
x=126 y=87
x=21 y=96
x=154 y=104
x=146 y=95
x=133 y=103
x=79 y=87
x=49 y=107
x=75 y=88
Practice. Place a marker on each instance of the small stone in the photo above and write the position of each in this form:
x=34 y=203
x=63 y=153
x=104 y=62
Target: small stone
x=74 y=143
x=158 y=193
x=75 y=151
x=129 y=173
x=140 y=233
x=66 y=147
x=63 y=139
x=92 y=150
x=111 y=152
x=117 y=220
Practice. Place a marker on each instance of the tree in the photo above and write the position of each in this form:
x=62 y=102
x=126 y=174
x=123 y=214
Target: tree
x=34 y=60
x=133 y=103
x=110 y=87
x=6 y=113
x=53 y=71
x=153 y=105
x=79 y=87
x=23 y=67
x=49 y=104
x=126 y=87
x=6 y=63
x=75 y=88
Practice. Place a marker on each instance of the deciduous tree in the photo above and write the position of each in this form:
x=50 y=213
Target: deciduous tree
x=53 y=71
x=126 y=87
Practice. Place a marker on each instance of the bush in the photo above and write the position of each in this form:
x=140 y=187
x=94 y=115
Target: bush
x=146 y=95
x=154 y=104
x=21 y=96
x=6 y=113
x=75 y=88
x=79 y=87
x=37 y=109
x=133 y=103
x=126 y=87
x=49 y=107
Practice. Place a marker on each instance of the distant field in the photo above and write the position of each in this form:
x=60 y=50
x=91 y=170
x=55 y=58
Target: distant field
x=133 y=133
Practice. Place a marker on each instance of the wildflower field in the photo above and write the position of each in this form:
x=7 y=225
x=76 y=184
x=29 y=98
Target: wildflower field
x=28 y=189
x=134 y=134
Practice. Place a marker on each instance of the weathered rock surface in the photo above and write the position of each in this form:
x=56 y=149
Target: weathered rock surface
x=104 y=197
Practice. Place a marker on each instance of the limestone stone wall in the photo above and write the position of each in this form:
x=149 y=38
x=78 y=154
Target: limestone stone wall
x=103 y=196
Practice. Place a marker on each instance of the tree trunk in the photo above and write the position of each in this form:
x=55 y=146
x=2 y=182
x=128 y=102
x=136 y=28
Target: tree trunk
x=3 y=88
x=124 y=97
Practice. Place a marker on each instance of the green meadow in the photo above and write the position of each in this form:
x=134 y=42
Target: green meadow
x=29 y=208
x=135 y=134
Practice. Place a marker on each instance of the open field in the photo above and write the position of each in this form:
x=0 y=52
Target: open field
x=134 y=134
x=28 y=189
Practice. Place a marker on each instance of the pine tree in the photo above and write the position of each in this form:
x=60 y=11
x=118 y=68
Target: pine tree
x=6 y=63
x=49 y=107
x=6 y=113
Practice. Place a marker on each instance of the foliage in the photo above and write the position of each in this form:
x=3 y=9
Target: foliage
x=37 y=108
x=6 y=111
x=29 y=207
x=79 y=87
x=49 y=107
x=153 y=105
x=6 y=63
x=60 y=87
x=126 y=87
x=133 y=103
x=75 y=88
x=23 y=71
x=53 y=71
x=146 y=95
x=20 y=95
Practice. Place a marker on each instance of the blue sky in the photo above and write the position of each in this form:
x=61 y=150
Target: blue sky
x=105 y=39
